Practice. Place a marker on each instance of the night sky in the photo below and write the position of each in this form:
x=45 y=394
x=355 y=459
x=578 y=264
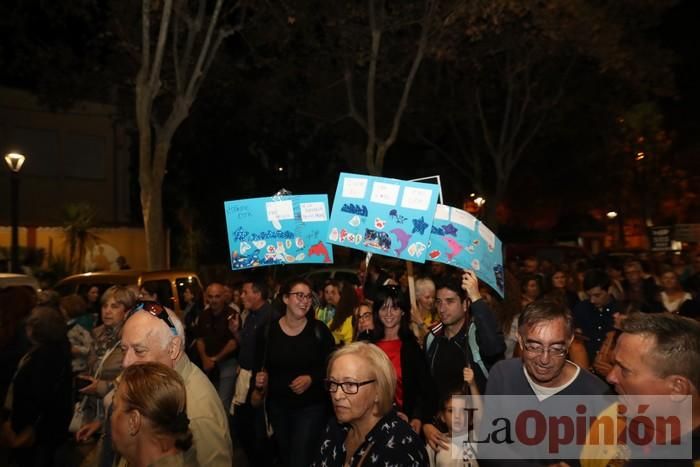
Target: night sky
x=245 y=126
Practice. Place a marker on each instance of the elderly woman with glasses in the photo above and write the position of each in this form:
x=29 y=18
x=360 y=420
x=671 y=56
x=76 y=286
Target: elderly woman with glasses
x=366 y=430
x=291 y=358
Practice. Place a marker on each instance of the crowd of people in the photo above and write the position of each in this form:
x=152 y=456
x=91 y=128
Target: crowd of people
x=336 y=374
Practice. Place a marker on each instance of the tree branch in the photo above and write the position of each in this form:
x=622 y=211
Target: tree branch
x=376 y=34
x=197 y=70
x=418 y=58
x=153 y=82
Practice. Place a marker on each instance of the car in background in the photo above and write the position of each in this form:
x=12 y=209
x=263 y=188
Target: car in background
x=318 y=277
x=18 y=280
x=169 y=284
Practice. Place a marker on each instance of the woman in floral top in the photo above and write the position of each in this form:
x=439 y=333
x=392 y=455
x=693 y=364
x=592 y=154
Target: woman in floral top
x=366 y=430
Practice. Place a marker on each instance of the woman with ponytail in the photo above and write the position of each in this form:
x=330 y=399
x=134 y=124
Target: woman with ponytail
x=149 y=420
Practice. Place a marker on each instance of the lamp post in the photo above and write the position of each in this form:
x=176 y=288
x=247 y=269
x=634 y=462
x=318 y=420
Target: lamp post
x=14 y=161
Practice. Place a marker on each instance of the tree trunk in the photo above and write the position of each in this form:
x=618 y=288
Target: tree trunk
x=152 y=210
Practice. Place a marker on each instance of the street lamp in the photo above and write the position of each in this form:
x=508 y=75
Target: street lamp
x=14 y=161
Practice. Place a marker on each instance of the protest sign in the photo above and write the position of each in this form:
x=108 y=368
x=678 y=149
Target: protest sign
x=383 y=215
x=279 y=230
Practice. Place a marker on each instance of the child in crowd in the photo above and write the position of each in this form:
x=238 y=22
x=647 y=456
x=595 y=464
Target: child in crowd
x=455 y=415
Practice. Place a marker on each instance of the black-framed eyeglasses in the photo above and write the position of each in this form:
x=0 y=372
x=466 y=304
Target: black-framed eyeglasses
x=539 y=349
x=301 y=296
x=348 y=387
x=157 y=310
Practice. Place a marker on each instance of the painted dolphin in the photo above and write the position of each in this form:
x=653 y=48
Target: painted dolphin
x=455 y=248
x=403 y=238
x=319 y=249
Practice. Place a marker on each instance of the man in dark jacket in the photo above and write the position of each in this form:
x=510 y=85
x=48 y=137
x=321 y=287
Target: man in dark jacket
x=468 y=335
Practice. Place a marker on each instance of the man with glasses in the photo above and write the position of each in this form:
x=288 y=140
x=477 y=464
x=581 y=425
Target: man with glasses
x=543 y=372
x=545 y=333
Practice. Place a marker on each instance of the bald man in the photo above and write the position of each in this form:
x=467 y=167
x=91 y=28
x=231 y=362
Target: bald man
x=148 y=337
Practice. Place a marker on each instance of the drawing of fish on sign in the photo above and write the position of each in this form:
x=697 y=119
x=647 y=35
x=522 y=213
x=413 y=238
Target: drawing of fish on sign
x=419 y=225
x=359 y=209
x=377 y=239
x=448 y=229
x=455 y=248
x=398 y=218
x=403 y=237
x=319 y=249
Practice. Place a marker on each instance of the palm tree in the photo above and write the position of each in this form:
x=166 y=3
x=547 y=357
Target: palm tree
x=78 y=219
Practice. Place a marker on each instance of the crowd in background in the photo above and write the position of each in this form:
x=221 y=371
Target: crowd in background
x=270 y=351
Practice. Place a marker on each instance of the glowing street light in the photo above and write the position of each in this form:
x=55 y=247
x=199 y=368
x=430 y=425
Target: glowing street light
x=611 y=215
x=14 y=162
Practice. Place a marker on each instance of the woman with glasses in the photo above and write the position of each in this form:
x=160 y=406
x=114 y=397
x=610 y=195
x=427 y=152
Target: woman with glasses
x=392 y=334
x=290 y=364
x=366 y=430
x=364 y=322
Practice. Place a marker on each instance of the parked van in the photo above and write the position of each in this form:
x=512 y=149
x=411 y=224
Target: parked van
x=170 y=284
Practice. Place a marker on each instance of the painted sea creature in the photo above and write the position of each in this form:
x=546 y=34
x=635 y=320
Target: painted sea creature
x=435 y=254
x=245 y=246
x=334 y=235
x=243 y=261
x=403 y=237
x=419 y=225
x=359 y=209
x=450 y=229
x=379 y=223
x=398 y=218
x=319 y=249
x=377 y=239
x=355 y=221
x=455 y=248
x=416 y=249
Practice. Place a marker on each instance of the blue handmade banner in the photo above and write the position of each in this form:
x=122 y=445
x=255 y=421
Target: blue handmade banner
x=383 y=215
x=279 y=230
x=459 y=239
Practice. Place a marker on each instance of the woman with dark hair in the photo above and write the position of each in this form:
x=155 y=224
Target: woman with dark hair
x=392 y=334
x=341 y=324
x=38 y=404
x=149 y=417
x=290 y=365
x=558 y=289
x=530 y=289
x=93 y=316
x=330 y=297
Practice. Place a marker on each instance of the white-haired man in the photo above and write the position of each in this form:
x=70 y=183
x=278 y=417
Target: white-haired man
x=152 y=334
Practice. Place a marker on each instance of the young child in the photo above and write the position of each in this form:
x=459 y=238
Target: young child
x=454 y=415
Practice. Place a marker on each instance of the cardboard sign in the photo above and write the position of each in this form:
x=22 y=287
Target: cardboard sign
x=383 y=215
x=459 y=239
x=279 y=230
